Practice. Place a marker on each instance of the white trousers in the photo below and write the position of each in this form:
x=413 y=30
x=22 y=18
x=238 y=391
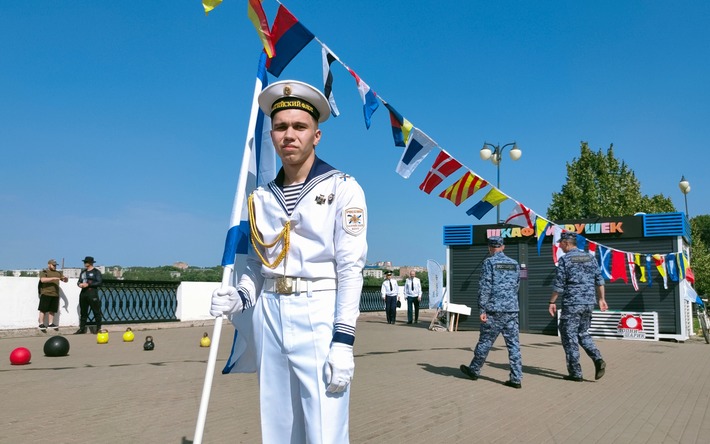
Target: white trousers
x=293 y=335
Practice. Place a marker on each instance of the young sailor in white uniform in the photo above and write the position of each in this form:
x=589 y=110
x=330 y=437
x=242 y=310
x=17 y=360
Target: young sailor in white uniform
x=304 y=275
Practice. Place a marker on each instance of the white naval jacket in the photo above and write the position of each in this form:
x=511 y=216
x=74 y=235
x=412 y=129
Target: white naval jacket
x=413 y=288
x=327 y=239
x=389 y=288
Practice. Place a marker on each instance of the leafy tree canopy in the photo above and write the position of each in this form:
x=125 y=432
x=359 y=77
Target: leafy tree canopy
x=699 y=253
x=370 y=281
x=599 y=185
x=169 y=273
x=701 y=228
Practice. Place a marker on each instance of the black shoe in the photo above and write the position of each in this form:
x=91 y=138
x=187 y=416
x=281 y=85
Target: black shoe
x=515 y=385
x=468 y=372
x=53 y=325
x=573 y=378
x=409 y=322
x=42 y=327
x=81 y=331
x=600 y=369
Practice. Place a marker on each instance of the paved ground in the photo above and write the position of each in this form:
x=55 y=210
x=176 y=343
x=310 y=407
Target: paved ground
x=407 y=389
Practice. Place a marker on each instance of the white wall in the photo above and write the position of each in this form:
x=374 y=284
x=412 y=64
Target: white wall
x=194 y=300
x=19 y=300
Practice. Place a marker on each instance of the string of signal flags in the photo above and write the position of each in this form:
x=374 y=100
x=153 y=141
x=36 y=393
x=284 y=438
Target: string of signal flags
x=287 y=36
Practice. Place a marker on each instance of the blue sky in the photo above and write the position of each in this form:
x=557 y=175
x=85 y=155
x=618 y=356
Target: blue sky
x=122 y=123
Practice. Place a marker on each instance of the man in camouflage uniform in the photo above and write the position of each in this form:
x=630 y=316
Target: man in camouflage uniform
x=498 y=307
x=578 y=280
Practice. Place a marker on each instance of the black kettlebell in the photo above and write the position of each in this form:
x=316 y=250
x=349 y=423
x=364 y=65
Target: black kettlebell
x=149 y=345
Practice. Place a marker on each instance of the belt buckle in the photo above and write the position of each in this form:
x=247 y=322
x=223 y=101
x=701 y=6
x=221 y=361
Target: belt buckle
x=284 y=285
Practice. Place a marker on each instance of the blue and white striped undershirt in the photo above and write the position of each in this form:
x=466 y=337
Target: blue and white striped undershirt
x=291 y=193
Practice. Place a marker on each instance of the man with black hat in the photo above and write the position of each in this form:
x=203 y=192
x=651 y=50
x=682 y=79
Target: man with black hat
x=390 y=293
x=303 y=276
x=498 y=307
x=49 y=280
x=89 y=282
x=578 y=280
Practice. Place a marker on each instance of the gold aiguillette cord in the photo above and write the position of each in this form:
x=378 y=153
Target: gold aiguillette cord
x=256 y=237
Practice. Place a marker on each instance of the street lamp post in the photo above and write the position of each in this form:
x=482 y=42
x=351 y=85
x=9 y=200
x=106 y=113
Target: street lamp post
x=494 y=155
x=684 y=186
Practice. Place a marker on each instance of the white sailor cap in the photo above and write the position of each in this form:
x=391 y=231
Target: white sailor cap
x=292 y=94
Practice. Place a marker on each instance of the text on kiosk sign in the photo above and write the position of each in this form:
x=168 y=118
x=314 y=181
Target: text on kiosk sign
x=595 y=228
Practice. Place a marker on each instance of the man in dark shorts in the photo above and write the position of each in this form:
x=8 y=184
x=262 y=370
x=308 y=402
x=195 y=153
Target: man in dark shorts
x=49 y=280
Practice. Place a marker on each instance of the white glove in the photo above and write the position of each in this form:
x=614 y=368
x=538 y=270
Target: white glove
x=339 y=367
x=228 y=300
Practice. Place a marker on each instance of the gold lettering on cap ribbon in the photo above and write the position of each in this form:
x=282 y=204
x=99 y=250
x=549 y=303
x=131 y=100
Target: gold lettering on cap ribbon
x=292 y=104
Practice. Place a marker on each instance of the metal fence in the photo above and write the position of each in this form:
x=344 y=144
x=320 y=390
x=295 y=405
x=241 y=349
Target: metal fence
x=371 y=299
x=125 y=302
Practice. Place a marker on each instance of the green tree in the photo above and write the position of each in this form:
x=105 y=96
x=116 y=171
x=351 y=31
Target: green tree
x=371 y=281
x=699 y=254
x=599 y=184
x=424 y=278
x=195 y=274
x=164 y=273
x=108 y=275
x=657 y=203
x=701 y=228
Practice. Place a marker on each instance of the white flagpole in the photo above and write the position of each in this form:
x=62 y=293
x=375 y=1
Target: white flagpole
x=228 y=271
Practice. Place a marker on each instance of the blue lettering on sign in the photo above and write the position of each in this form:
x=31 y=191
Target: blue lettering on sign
x=593 y=228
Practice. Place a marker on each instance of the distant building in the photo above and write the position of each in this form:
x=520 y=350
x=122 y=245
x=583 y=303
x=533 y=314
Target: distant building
x=377 y=270
x=404 y=271
x=181 y=265
x=26 y=273
x=373 y=271
x=73 y=273
x=384 y=264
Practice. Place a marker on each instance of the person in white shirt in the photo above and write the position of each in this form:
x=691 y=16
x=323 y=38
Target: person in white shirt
x=413 y=292
x=303 y=277
x=390 y=292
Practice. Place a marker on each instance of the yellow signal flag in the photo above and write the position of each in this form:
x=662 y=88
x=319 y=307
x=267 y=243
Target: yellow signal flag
x=210 y=5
